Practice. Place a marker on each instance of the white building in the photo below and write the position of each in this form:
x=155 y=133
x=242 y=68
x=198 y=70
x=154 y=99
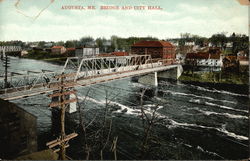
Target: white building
x=205 y=60
x=191 y=43
x=175 y=43
x=86 y=52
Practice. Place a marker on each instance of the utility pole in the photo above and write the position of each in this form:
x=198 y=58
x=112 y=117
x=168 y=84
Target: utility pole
x=63 y=139
x=6 y=66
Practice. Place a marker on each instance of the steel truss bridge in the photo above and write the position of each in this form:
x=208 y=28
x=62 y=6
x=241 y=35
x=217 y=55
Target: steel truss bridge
x=5 y=49
x=81 y=72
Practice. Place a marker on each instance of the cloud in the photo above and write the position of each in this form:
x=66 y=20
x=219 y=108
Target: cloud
x=56 y=24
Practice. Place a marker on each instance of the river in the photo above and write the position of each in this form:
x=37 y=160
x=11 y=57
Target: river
x=196 y=121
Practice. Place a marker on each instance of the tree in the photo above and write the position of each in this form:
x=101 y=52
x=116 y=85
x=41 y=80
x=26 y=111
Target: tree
x=100 y=43
x=70 y=43
x=41 y=44
x=97 y=139
x=60 y=43
x=240 y=43
x=86 y=40
x=114 y=45
x=219 y=40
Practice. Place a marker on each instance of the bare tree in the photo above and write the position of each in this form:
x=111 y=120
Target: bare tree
x=97 y=132
x=149 y=119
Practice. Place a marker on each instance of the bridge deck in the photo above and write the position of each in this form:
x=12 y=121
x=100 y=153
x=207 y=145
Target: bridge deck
x=86 y=81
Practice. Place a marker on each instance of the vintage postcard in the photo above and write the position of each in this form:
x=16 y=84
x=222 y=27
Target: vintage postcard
x=124 y=79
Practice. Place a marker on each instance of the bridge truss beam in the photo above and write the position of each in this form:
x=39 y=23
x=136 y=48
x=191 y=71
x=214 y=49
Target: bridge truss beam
x=87 y=67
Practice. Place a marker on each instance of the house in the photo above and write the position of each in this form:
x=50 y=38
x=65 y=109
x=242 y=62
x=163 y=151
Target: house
x=207 y=60
x=230 y=62
x=70 y=51
x=157 y=49
x=24 y=52
x=243 y=58
x=58 y=49
x=229 y=44
x=38 y=49
x=86 y=51
x=33 y=44
x=190 y=43
x=106 y=45
x=48 y=44
x=175 y=43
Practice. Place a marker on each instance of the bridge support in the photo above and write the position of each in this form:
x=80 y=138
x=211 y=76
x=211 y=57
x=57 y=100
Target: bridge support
x=149 y=79
x=72 y=106
x=152 y=78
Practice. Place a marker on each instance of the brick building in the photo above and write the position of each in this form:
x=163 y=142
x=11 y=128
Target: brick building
x=157 y=49
x=58 y=49
x=120 y=53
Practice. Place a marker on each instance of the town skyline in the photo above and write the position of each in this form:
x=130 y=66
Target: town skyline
x=198 y=17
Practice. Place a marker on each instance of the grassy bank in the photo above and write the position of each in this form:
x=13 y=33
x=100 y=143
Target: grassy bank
x=240 y=78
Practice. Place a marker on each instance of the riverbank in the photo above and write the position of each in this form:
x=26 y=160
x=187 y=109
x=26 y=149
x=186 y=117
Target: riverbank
x=241 y=78
x=45 y=56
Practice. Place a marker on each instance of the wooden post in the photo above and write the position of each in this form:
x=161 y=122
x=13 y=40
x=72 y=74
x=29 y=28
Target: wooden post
x=6 y=65
x=62 y=98
x=63 y=139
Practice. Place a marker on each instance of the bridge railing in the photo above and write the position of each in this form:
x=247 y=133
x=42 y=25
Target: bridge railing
x=97 y=66
x=10 y=48
x=26 y=81
x=79 y=68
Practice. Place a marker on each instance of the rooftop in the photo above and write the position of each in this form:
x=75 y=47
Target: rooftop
x=153 y=44
x=57 y=47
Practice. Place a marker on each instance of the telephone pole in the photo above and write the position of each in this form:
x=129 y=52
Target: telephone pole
x=6 y=66
x=63 y=139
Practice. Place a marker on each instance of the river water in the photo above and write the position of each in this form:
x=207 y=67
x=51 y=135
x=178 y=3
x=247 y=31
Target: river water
x=196 y=121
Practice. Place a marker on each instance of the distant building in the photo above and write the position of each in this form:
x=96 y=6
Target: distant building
x=229 y=44
x=48 y=45
x=58 y=49
x=230 y=62
x=86 y=52
x=157 y=49
x=107 y=43
x=120 y=53
x=37 y=49
x=33 y=44
x=105 y=55
x=190 y=43
x=243 y=58
x=24 y=52
x=71 y=51
x=175 y=43
x=211 y=59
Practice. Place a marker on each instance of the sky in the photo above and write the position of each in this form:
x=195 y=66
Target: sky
x=41 y=20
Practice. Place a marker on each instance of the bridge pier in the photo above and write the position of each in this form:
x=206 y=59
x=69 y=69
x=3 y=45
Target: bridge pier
x=71 y=107
x=152 y=78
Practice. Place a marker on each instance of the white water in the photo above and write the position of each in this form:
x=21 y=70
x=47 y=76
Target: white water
x=228 y=115
x=222 y=130
x=196 y=96
x=136 y=112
